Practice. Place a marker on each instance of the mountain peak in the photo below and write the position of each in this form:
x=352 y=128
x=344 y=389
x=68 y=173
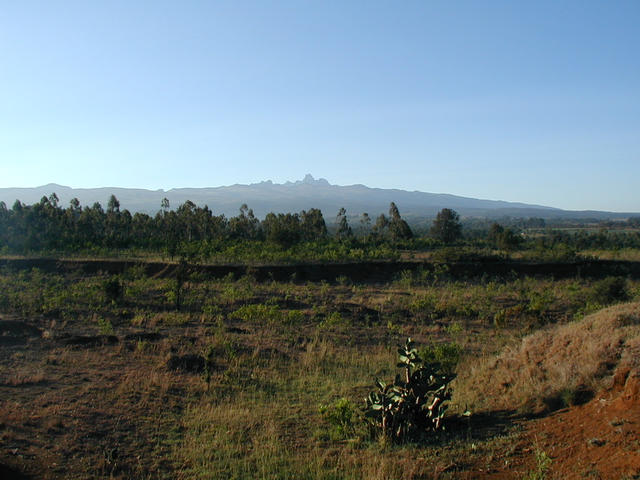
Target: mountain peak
x=309 y=180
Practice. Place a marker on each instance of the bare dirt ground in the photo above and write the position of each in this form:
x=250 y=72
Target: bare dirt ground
x=600 y=439
x=597 y=440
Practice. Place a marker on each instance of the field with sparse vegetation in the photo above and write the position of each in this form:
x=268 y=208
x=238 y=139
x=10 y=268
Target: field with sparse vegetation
x=186 y=375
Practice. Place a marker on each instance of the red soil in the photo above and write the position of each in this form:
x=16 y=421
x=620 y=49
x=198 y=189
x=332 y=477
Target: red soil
x=600 y=439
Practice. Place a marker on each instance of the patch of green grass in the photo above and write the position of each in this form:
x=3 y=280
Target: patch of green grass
x=258 y=312
x=171 y=318
x=104 y=326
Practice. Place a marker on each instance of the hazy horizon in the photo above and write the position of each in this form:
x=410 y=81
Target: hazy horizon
x=294 y=181
x=534 y=103
x=292 y=196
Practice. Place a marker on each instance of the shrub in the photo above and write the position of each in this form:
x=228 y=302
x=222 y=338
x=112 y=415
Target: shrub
x=539 y=302
x=543 y=463
x=333 y=320
x=293 y=317
x=412 y=405
x=105 y=327
x=446 y=355
x=340 y=416
x=113 y=289
x=609 y=290
x=424 y=307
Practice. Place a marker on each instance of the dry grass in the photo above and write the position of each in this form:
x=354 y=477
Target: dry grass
x=553 y=364
x=23 y=377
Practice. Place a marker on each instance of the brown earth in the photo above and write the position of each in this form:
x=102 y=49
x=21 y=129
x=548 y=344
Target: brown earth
x=597 y=440
x=600 y=439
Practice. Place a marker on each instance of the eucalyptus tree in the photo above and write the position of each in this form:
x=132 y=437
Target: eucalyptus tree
x=245 y=226
x=365 y=224
x=343 y=230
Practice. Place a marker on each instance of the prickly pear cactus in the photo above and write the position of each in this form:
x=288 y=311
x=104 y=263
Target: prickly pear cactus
x=414 y=404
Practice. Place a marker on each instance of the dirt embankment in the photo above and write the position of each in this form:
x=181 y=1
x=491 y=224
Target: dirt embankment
x=367 y=272
x=598 y=438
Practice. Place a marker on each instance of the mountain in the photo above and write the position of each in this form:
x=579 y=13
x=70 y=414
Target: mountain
x=265 y=197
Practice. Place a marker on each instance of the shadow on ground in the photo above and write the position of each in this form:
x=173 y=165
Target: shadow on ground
x=481 y=426
x=8 y=473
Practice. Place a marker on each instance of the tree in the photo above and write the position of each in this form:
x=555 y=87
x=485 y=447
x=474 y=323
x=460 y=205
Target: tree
x=245 y=225
x=74 y=204
x=503 y=238
x=446 y=227
x=365 y=224
x=344 y=230
x=113 y=206
x=186 y=220
x=112 y=222
x=164 y=206
x=379 y=230
x=494 y=232
x=53 y=200
x=398 y=228
x=282 y=229
x=313 y=225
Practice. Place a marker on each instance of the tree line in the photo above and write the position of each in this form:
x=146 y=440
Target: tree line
x=48 y=226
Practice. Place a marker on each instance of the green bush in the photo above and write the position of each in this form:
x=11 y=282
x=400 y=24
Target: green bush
x=333 y=320
x=105 y=327
x=340 y=415
x=609 y=290
x=410 y=406
x=445 y=355
x=540 y=302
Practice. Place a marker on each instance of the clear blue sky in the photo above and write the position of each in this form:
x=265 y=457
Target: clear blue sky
x=525 y=101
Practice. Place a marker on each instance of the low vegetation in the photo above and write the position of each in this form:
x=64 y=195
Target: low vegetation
x=185 y=375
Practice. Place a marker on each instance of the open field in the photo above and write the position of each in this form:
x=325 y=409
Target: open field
x=180 y=374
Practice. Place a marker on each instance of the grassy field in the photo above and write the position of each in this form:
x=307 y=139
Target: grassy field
x=132 y=376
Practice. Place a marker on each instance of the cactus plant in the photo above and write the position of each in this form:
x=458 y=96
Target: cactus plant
x=414 y=404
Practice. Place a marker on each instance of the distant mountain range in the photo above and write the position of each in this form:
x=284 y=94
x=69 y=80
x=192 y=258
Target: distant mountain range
x=265 y=197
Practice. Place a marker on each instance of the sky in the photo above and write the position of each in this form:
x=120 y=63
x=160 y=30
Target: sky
x=536 y=102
